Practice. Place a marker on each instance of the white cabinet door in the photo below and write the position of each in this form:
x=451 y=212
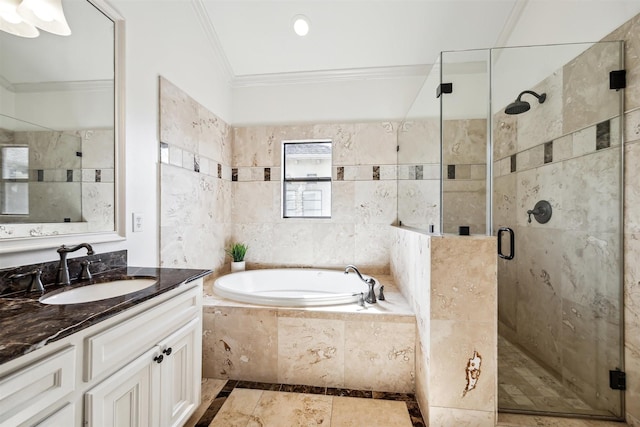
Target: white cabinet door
x=65 y=416
x=127 y=398
x=181 y=372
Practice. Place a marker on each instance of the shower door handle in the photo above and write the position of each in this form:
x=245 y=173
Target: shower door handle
x=512 y=243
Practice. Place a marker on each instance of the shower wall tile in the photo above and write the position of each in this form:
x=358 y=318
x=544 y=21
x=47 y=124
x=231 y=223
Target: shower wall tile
x=376 y=202
x=582 y=83
x=465 y=141
x=632 y=321
x=529 y=131
x=241 y=344
x=632 y=126
x=257 y=146
x=584 y=141
x=597 y=176
x=51 y=150
x=214 y=140
x=343 y=202
x=563 y=148
x=372 y=243
x=311 y=352
x=421 y=203
x=97 y=205
x=419 y=141
x=543 y=183
x=376 y=143
x=504 y=135
x=539 y=289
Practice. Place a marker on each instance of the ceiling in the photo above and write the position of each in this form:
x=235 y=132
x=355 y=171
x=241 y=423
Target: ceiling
x=257 y=42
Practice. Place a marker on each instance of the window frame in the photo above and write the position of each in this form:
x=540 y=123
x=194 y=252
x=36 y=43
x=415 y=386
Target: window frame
x=309 y=179
x=6 y=181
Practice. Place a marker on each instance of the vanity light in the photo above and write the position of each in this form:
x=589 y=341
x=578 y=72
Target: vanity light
x=46 y=15
x=22 y=18
x=301 y=25
x=12 y=22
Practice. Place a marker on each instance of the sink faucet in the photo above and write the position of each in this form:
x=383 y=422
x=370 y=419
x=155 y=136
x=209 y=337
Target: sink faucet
x=371 y=295
x=63 y=268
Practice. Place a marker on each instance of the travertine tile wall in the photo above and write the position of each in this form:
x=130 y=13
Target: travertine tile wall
x=364 y=197
x=71 y=175
x=559 y=298
x=447 y=279
x=464 y=191
x=419 y=174
x=359 y=351
x=195 y=174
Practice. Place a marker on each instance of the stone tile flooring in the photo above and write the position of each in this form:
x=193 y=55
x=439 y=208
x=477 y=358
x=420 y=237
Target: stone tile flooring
x=251 y=404
x=524 y=385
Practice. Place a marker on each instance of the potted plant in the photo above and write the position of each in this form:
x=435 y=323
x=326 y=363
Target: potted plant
x=237 y=253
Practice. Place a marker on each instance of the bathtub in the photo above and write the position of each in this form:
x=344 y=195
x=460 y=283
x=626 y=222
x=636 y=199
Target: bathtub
x=292 y=287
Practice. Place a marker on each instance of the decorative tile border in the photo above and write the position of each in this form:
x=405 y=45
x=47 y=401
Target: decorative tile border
x=193 y=162
x=71 y=175
x=218 y=401
x=583 y=142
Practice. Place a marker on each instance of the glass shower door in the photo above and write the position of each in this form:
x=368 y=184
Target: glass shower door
x=557 y=183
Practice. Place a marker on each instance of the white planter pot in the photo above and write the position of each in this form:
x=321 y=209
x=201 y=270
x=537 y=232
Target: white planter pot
x=237 y=266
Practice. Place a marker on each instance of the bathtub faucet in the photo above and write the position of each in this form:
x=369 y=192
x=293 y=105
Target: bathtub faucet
x=371 y=295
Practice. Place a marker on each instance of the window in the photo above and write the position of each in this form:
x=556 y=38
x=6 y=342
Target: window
x=306 y=183
x=15 y=181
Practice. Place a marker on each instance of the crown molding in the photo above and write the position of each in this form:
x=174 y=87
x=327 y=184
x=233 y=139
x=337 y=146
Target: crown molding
x=327 y=76
x=212 y=37
x=85 y=85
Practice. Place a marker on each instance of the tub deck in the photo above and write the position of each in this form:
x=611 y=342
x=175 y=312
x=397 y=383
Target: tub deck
x=344 y=346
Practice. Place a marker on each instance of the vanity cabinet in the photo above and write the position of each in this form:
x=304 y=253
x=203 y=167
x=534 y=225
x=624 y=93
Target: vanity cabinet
x=141 y=367
x=159 y=388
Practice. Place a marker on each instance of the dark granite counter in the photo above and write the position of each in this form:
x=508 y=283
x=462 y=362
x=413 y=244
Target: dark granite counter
x=27 y=325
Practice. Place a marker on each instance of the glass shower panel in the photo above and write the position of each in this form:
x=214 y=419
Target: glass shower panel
x=557 y=183
x=419 y=159
x=464 y=113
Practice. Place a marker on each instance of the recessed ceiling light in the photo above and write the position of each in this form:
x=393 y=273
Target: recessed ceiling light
x=301 y=25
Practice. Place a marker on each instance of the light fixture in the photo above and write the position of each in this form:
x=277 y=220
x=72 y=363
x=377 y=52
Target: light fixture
x=12 y=22
x=22 y=17
x=301 y=25
x=46 y=15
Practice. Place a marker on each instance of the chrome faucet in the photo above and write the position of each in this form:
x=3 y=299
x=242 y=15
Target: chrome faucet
x=63 y=268
x=371 y=295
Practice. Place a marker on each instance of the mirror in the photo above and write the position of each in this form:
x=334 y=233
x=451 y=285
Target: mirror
x=60 y=130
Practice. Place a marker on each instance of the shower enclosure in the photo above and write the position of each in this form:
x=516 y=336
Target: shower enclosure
x=546 y=178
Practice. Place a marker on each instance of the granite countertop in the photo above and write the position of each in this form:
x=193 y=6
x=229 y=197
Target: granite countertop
x=27 y=324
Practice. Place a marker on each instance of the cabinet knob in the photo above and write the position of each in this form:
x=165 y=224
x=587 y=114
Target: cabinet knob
x=167 y=351
x=158 y=358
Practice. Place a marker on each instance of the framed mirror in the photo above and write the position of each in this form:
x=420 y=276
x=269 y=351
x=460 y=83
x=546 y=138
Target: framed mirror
x=62 y=132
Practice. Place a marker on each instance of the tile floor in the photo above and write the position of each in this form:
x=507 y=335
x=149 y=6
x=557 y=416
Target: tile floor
x=250 y=404
x=525 y=385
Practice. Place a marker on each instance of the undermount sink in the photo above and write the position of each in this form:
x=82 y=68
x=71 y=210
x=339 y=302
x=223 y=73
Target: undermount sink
x=97 y=292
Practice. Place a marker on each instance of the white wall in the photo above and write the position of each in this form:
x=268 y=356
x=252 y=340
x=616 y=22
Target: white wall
x=330 y=102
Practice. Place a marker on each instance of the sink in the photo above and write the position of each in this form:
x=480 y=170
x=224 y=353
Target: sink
x=98 y=291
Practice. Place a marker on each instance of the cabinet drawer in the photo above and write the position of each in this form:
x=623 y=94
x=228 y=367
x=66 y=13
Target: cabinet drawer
x=32 y=389
x=117 y=345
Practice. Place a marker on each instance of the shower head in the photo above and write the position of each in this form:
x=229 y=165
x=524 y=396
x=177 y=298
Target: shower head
x=519 y=106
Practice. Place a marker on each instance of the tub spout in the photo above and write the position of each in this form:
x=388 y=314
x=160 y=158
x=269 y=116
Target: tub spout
x=371 y=295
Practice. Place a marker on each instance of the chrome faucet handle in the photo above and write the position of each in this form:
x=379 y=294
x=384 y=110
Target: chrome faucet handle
x=371 y=295
x=360 y=299
x=85 y=274
x=381 y=294
x=36 y=281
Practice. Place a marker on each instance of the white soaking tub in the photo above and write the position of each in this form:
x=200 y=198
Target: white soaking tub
x=292 y=287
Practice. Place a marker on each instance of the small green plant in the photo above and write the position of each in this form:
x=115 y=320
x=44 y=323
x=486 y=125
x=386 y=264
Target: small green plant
x=237 y=251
